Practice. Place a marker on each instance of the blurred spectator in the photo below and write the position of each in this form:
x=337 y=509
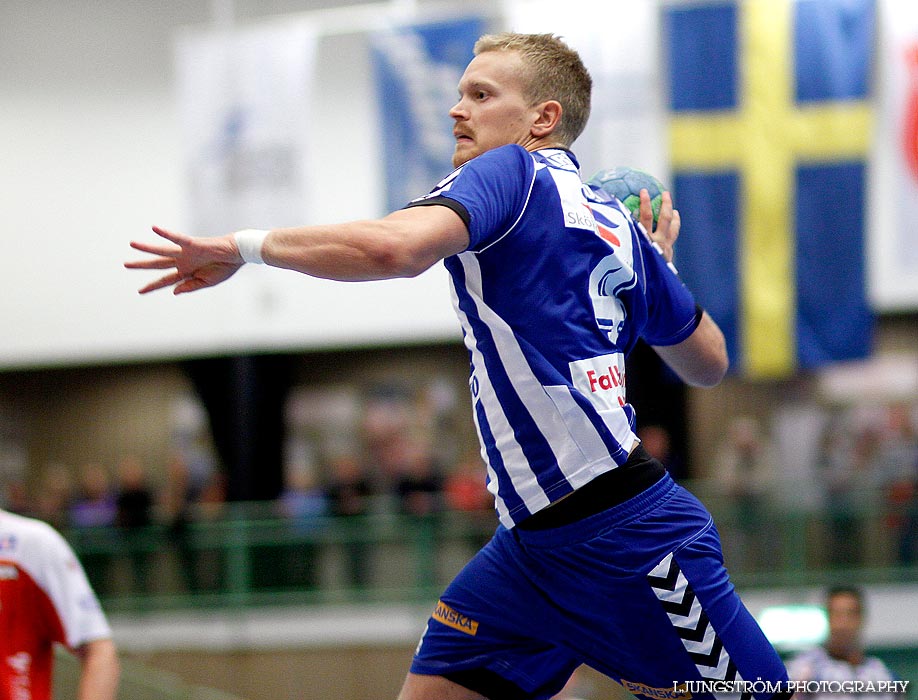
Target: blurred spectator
x=294 y=562
x=15 y=498
x=302 y=500
x=845 y=461
x=658 y=443
x=388 y=415
x=418 y=490
x=211 y=501
x=210 y=506
x=349 y=487
x=897 y=466
x=55 y=496
x=745 y=466
x=176 y=502
x=95 y=503
x=841 y=657
x=418 y=483
x=465 y=491
x=92 y=517
x=350 y=492
x=134 y=516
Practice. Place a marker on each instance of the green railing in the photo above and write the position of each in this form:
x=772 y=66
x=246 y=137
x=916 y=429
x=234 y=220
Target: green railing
x=248 y=554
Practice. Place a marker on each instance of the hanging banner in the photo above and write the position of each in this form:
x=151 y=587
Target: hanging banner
x=617 y=41
x=244 y=98
x=770 y=125
x=894 y=234
x=417 y=70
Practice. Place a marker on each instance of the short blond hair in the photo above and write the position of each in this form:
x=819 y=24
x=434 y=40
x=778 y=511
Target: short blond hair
x=555 y=72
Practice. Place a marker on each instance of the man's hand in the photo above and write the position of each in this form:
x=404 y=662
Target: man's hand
x=667 y=230
x=198 y=262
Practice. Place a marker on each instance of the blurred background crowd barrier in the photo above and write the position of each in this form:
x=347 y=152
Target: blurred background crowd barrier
x=252 y=554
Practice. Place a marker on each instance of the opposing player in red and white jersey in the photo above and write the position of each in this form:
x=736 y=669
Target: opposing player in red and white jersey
x=46 y=599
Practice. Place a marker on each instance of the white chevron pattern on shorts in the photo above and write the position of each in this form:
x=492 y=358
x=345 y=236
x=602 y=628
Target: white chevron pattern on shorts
x=691 y=622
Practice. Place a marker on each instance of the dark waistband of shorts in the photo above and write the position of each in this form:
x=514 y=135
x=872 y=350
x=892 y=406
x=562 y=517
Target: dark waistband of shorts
x=609 y=489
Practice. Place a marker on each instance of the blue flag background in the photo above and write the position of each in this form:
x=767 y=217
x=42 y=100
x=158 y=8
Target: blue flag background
x=769 y=136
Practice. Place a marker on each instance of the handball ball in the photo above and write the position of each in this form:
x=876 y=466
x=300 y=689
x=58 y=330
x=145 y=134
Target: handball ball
x=625 y=184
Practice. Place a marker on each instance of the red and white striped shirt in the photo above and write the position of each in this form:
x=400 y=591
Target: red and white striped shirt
x=45 y=599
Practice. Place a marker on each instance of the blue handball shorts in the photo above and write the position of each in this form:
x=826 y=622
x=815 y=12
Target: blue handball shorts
x=639 y=592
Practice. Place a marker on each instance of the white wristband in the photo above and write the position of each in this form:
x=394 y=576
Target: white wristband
x=249 y=242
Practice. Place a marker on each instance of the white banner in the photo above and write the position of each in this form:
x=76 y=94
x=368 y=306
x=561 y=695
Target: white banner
x=894 y=200
x=618 y=41
x=244 y=99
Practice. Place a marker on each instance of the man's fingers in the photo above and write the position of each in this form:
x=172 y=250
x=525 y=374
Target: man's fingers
x=646 y=211
x=668 y=222
x=177 y=238
x=674 y=228
x=666 y=206
x=159 y=263
x=156 y=248
x=166 y=281
x=191 y=285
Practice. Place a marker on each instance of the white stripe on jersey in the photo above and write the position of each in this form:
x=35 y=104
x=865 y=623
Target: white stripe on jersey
x=594 y=450
x=515 y=463
x=503 y=513
x=573 y=456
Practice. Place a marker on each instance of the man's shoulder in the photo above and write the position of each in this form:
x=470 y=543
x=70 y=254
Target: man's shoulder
x=22 y=536
x=506 y=154
x=497 y=163
x=877 y=668
x=21 y=526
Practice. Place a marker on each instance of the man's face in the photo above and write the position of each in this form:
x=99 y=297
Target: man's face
x=845 y=621
x=491 y=110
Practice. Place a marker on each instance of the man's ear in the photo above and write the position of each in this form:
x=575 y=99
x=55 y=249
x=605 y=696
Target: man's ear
x=548 y=119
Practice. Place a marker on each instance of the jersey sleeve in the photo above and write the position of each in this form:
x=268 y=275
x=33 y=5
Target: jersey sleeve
x=63 y=579
x=671 y=305
x=489 y=193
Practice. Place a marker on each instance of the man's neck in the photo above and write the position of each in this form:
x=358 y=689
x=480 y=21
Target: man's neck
x=542 y=144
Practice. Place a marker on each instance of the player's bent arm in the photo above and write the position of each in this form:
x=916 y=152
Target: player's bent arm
x=701 y=359
x=403 y=244
x=100 y=670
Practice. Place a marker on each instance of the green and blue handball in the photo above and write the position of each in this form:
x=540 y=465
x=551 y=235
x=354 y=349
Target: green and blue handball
x=625 y=184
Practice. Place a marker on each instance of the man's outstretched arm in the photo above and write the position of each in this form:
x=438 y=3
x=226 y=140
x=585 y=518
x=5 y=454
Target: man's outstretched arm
x=402 y=244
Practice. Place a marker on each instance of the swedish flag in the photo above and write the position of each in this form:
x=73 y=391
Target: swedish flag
x=769 y=135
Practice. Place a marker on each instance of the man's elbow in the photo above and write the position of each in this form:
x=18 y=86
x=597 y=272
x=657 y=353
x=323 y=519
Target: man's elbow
x=395 y=255
x=714 y=362
x=701 y=359
x=711 y=372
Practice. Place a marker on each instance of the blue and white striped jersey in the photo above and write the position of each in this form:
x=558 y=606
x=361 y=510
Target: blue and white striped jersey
x=556 y=287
